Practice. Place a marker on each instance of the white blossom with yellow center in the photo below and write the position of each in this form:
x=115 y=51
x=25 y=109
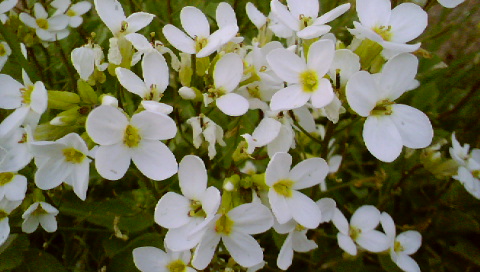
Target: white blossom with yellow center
x=47 y=29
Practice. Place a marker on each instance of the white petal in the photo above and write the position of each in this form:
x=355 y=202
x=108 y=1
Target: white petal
x=410 y=240
x=232 y=104
x=282 y=142
x=286 y=64
x=139 y=41
x=251 y=218
x=332 y=15
x=194 y=22
x=111 y=13
x=398 y=74
x=155 y=71
x=57 y=23
x=340 y=222
x=28 y=20
x=288 y=98
x=192 y=177
x=373 y=12
x=373 y=241
x=406 y=263
x=225 y=15
x=346 y=243
x=308 y=173
x=304 y=210
x=366 y=218
x=80 y=177
x=278 y=168
x=13 y=121
x=39 y=11
x=324 y=94
x=138 y=20
x=205 y=250
x=48 y=222
x=408 y=21
x=52 y=174
x=257 y=18
x=83 y=60
x=179 y=39
x=279 y=207
x=218 y=39
x=210 y=200
x=106 y=125
x=131 y=82
x=307 y=8
x=283 y=15
x=266 y=131
x=413 y=125
x=29 y=225
x=228 y=72
x=155 y=160
x=301 y=243
x=382 y=138
x=450 y=3
x=285 y=256
x=154 y=125
x=172 y=211
x=243 y=248
x=150 y=259
x=10 y=96
x=327 y=207
x=313 y=31
x=181 y=238
x=15 y=190
x=362 y=94
x=81 y=8
x=320 y=56
x=388 y=226
x=112 y=161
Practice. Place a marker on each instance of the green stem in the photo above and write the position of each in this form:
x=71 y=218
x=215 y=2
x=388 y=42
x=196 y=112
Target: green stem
x=70 y=71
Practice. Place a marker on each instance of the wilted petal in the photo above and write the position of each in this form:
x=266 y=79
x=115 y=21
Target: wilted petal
x=83 y=60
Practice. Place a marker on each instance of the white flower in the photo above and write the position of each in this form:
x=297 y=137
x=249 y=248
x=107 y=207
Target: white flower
x=74 y=12
x=180 y=214
x=40 y=213
x=403 y=245
x=137 y=139
x=47 y=29
x=155 y=74
x=5 y=51
x=286 y=202
x=389 y=126
x=458 y=152
x=29 y=101
x=235 y=228
x=86 y=58
x=143 y=47
x=14 y=151
x=152 y=259
x=450 y=3
x=205 y=129
x=469 y=166
x=199 y=40
x=392 y=29
x=306 y=80
x=361 y=230
x=6 y=207
x=12 y=186
x=5 y=6
x=301 y=17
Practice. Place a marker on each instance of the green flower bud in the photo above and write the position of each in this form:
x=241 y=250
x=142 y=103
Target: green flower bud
x=87 y=94
x=61 y=100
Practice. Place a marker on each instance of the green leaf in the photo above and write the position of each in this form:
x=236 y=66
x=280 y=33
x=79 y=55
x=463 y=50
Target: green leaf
x=467 y=250
x=86 y=92
x=11 y=252
x=387 y=263
x=41 y=261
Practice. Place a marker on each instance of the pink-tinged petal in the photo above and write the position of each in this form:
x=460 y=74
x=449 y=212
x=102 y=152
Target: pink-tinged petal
x=382 y=138
x=362 y=94
x=155 y=71
x=324 y=95
x=13 y=121
x=301 y=243
x=257 y=18
x=278 y=168
x=320 y=56
x=327 y=207
x=155 y=160
x=285 y=256
x=218 y=39
x=346 y=243
x=313 y=31
x=131 y=82
x=308 y=173
x=228 y=72
x=366 y=218
x=288 y=98
x=304 y=210
x=39 y=11
x=284 y=16
x=243 y=248
x=232 y=104
x=192 y=177
x=205 y=250
x=408 y=21
x=112 y=161
x=398 y=74
x=172 y=211
x=210 y=200
x=106 y=125
x=407 y=263
x=28 y=20
x=373 y=12
x=332 y=15
x=154 y=125
x=10 y=96
x=410 y=240
x=194 y=22
x=150 y=259
x=48 y=222
x=52 y=174
x=179 y=39
x=225 y=15
x=307 y=8
x=279 y=207
x=413 y=125
x=373 y=241
x=138 y=20
x=286 y=64
x=251 y=218
x=181 y=239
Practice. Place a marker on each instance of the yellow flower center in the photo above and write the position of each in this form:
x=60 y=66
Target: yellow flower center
x=309 y=81
x=39 y=211
x=354 y=233
x=224 y=225
x=71 y=13
x=3 y=214
x=383 y=107
x=284 y=187
x=397 y=247
x=254 y=92
x=3 y=51
x=42 y=23
x=26 y=94
x=305 y=21
x=200 y=43
x=5 y=178
x=299 y=227
x=177 y=266
x=132 y=137
x=154 y=94
x=384 y=32
x=72 y=155
x=196 y=209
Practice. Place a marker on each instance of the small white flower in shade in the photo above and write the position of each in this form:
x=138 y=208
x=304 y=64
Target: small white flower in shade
x=361 y=230
x=143 y=46
x=392 y=29
x=389 y=126
x=6 y=6
x=469 y=166
x=155 y=74
x=306 y=79
x=458 y=152
x=87 y=58
x=301 y=17
x=235 y=228
x=205 y=129
x=226 y=77
x=199 y=41
x=74 y=12
x=138 y=139
x=266 y=131
x=5 y=51
x=40 y=213
x=270 y=23
x=6 y=207
x=180 y=214
x=47 y=29
x=15 y=152
x=29 y=101
x=64 y=160
x=12 y=186
x=286 y=202
x=402 y=245
x=450 y=3
x=152 y=259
